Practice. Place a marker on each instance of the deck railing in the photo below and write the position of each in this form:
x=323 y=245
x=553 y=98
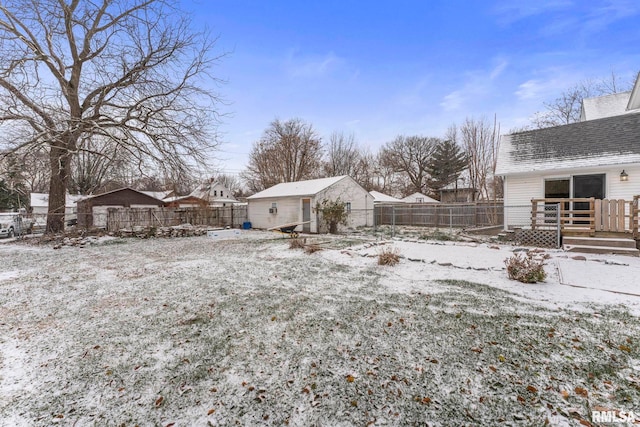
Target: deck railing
x=587 y=215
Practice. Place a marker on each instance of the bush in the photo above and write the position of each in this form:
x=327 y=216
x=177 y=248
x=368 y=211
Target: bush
x=524 y=268
x=389 y=256
x=296 y=243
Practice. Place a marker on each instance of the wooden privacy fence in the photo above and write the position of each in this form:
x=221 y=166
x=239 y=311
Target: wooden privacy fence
x=126 y=218
x=441 y=214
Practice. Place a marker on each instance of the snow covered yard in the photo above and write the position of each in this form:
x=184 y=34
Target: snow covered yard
x=195 y=331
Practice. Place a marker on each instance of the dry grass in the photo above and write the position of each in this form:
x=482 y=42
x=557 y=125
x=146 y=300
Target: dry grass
x=297 y=243
x=312 y=248
x=389 y=256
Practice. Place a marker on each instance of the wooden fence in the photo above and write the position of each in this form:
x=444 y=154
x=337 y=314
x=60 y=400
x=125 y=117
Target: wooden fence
x=126 y=218
x=441 y=214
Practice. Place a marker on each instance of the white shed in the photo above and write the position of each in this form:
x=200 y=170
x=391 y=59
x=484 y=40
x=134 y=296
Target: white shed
x=293 y=202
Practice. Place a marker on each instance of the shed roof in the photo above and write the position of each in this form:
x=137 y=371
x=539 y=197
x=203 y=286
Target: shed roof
x=160 y=195
x=142 y=194
x=384 y=198
x=602 y=142
x=298 y=188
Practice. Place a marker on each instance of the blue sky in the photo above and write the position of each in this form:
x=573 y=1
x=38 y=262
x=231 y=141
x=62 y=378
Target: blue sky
x=381 y=69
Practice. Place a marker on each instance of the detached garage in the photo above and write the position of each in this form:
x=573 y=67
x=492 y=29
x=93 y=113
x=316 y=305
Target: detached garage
x=293 y=202
x=92 y=211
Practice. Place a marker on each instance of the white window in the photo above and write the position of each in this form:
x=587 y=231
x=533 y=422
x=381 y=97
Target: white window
x=347 y=207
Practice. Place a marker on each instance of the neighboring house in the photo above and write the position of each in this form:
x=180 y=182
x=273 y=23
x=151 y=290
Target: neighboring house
x=457 y=195
x=40 y=205
x=185 y=202
x=294 y=202
x=215 y=193
x=419 y=198
x=92 y=210
x=383 y=199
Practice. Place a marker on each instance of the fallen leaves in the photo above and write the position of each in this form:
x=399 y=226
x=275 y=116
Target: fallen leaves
x=624 y=348
x=581 y=392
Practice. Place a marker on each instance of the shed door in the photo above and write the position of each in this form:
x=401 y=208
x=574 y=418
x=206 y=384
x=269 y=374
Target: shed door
x=306 y=215
x=100 y=216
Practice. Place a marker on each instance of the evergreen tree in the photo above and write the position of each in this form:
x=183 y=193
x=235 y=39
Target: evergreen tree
x=11 y=198
x=446 y=164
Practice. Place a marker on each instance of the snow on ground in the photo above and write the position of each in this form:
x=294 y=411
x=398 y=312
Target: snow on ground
x=197 y=331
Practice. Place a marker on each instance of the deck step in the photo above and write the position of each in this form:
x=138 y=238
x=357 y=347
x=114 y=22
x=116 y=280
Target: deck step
x=601 y=249
x=609 y=242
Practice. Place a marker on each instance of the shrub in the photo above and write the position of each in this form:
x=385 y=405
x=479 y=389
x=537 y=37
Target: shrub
x=296 y=243
x=389 y=256
x=524 y=268
x=334 y=213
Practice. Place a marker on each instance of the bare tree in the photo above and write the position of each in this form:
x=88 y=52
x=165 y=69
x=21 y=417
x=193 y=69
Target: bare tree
x=100 y=160
x=481 y=141
x=342 y=155
x=567 y=107
x=287 y=152
x=34 y=168
x=410 y=156
x=131 y=72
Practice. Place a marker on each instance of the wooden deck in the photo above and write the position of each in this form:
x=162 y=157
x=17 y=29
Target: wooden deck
x=587 y=216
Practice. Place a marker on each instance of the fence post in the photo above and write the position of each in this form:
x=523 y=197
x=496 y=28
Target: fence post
x=559 y=234
x=534 y=214
x=634 y=216
x=450 y=220
x=592 y=224
x=393 y=221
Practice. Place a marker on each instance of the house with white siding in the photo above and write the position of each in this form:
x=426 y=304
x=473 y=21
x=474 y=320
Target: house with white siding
x=298 y=202
x=215 y=193
x=419 y=198
x=591 y=166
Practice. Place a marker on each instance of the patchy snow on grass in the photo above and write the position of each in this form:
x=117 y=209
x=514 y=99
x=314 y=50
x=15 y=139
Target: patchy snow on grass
x=198 y=331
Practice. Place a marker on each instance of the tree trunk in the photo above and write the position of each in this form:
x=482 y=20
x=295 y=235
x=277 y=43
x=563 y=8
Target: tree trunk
x=60 y=168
